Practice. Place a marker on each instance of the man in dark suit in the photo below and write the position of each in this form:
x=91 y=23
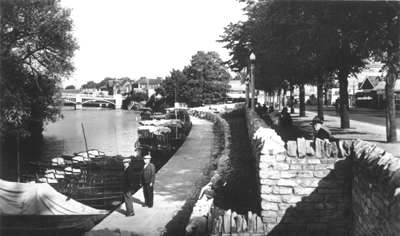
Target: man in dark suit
x=130 y=183
x=148 y=177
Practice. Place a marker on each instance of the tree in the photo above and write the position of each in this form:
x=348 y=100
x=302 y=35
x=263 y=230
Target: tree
x=36 y=51
x=205 y=80
x=70 y=87
x=384 y=45
x=89 y=85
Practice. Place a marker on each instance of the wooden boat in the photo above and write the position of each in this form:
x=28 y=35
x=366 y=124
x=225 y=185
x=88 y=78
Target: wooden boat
x=163 y=135
x=38 y=209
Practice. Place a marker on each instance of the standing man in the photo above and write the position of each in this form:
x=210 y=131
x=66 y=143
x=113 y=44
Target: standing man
x=148 y=177
x=130 y=182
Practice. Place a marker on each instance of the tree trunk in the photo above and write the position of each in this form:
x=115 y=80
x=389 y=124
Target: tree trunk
x=279 y=99
x=320 y=96
x=326 y=96
x=284 y=102
x=344 y=99
x=292 y=99
x=390 y=108
x=302 y=101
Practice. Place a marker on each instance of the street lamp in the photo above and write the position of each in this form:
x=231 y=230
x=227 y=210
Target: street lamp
x=252 y=87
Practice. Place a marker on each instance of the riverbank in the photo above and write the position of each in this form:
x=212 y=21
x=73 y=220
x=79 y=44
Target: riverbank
x=176 y=184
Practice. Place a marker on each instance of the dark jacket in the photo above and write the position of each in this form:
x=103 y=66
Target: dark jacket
x=149 y=174
x=131 y=178
x=324 y=133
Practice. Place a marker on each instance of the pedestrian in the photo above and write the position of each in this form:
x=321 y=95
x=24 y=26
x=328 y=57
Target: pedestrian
x=148 y=177
x=130 y=183
x=320 y=131
x=337 y=106
x=285 y=119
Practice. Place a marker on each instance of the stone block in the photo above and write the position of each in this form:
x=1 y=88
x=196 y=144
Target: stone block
x=280 y=157
x=313 y=161
x=284 y=206
x=282 y=190
x=335 y=150
x=327 y=149
x=227 y=221
x=324 y=166
x=281 y=166
x=295 y=167
x=268 y=181
x=269 y=174
x=308 y=182
x=291 y=199
x=292 y=148
x=271 y=197
x=266 y=189
x=268 y=220
x=309 y=149
x=269 y=206
x=288 y=174
x=301 y=147
x=287 y=182
x=303 y=190
x=260 y=225
x=321 y=173
x=319 y=147
x=305 y=173
x=269 y=214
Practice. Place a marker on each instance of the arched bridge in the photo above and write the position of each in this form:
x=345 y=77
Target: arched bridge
x=79 y=99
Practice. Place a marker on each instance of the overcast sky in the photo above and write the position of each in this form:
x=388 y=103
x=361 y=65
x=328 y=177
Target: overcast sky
x=149 y=38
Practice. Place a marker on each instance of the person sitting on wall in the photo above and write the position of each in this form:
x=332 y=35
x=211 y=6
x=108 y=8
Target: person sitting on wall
x=285 y=119
x=320 y=131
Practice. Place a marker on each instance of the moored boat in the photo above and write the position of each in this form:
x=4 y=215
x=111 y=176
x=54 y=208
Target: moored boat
x=38 y=209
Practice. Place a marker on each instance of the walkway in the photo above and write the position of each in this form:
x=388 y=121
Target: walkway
x=175 y=184
x=358 y=130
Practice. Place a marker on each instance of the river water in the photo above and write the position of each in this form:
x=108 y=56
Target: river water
x=111 y=131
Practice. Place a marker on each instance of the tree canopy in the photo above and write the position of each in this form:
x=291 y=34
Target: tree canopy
x=205 y=80
x=313 y=41
x=36 y=51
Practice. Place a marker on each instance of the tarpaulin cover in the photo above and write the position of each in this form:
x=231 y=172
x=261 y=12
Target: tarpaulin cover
x=39 y=199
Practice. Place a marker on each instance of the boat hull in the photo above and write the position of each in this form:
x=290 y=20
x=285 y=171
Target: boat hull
x=48 y=224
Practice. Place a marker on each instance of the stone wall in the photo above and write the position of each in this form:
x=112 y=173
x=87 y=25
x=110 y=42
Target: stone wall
x=303 y=192
x=376 y=191
x=346 y=188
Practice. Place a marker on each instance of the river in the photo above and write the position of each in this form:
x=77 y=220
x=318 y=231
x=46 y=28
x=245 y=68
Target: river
x=111 y=131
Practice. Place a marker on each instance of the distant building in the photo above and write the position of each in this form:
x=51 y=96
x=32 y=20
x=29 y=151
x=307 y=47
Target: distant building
x=372 y=93
x=148 y=85
x=236 y=90
x=145 y=83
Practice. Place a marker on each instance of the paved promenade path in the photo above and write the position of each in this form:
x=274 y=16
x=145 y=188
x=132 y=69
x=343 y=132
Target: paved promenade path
x=175 y=183
x=373 y=133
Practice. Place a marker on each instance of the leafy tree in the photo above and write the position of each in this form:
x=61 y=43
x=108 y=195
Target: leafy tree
x=89 y=85
x=70 y=87
x=205 y=80
x=36 y=51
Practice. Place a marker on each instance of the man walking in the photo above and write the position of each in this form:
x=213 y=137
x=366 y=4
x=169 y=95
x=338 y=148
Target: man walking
x=130 y=183
x=148 y=177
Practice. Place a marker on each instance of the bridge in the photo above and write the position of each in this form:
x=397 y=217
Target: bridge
x=79 y=99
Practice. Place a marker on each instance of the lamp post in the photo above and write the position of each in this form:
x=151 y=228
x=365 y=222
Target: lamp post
x=252 y=87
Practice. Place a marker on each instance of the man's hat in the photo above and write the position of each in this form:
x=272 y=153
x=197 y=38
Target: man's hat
x=316 y=120
x=147 y=157
x=127 y=160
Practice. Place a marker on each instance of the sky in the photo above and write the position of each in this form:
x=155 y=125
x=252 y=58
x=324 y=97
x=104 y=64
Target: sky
x=136 y=38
